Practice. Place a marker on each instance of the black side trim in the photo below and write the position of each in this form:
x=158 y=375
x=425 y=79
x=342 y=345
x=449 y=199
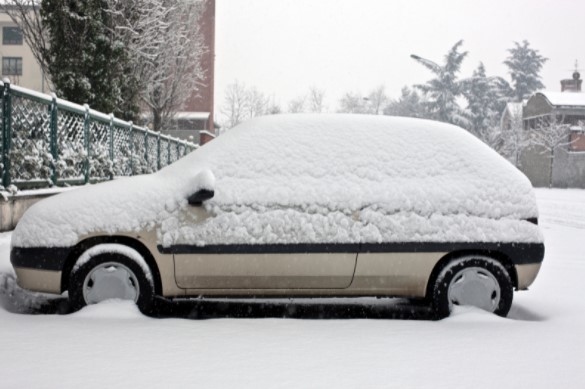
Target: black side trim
x=519 y=253
x=42 y=258
x=262 y=248
x=53 y=258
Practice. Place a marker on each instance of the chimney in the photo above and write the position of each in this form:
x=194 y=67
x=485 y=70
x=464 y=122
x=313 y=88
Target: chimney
x=572 y=85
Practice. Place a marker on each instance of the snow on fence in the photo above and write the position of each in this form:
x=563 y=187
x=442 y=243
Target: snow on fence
x=48 y=141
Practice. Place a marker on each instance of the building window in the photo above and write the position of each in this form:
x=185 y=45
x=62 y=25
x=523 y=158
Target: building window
x=11 y=36
x=12 y=66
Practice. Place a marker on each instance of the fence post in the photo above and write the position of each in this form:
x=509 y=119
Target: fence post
x=6 y=133
x=131 y=148
x=168 y=152
x=112 y=145
x=53 y=135
x=86 y=124
x=178 y=151
x=158 y=152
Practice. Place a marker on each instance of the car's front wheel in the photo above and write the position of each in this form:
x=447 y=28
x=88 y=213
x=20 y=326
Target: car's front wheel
x=108 y=276
x=476 y=281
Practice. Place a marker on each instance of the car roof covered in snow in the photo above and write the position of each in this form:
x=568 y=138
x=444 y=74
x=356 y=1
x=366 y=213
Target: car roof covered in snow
x=336 y=161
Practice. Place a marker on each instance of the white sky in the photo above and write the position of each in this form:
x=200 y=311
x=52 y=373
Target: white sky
x=283 y=47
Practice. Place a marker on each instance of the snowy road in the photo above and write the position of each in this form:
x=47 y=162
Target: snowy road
x=541 y=345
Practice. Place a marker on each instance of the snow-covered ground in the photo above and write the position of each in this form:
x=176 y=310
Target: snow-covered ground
x=540 y=345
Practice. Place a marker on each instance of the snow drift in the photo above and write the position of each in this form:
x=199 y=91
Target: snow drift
x=309 y=178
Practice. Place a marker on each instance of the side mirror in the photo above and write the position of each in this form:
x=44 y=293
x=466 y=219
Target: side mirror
x=200 y=196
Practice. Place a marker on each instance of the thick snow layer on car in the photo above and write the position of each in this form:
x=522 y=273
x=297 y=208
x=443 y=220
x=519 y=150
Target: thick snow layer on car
x=310 y=178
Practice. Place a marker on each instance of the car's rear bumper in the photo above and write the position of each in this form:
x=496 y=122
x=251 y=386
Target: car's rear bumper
x=526 y=274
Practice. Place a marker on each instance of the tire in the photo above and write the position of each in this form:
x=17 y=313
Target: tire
x=474 y=280
x=108 y=276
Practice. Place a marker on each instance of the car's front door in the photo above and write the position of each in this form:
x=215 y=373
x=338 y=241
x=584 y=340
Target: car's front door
x=261 y=267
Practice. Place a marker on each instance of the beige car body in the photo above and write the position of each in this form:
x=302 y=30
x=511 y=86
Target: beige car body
x=271 y=274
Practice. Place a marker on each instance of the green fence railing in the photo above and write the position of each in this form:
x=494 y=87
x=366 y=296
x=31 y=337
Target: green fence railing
x=47 y=141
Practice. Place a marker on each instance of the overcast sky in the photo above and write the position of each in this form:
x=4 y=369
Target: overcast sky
x=282 y=47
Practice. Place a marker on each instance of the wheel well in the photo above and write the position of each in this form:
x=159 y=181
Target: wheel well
x=82 y=246
x=498 y=256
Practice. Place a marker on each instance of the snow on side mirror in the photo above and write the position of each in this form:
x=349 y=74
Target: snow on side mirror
x=204 y=183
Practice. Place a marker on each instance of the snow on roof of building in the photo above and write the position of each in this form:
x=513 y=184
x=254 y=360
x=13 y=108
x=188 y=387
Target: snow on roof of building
x=189 y=115
x=302 y=178
x=570 y=99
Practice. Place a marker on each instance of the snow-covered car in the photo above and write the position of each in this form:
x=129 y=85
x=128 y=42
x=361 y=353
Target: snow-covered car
x=297 y=205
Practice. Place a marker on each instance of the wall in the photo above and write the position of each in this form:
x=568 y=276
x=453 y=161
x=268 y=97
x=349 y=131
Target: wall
x=536 y=166
x=12 y=208
x=568 y=168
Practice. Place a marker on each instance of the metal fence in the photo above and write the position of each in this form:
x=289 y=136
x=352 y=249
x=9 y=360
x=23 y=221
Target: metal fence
x=48 y=141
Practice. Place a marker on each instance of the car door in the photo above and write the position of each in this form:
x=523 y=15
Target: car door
x=259 y=266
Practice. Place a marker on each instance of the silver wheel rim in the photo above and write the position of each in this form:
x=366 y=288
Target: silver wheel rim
x=110 y=280
x=475 y=286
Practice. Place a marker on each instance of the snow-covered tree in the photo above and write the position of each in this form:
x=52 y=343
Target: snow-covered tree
x=524 y=64
x=550 y=133
x=486 y=100
x=164 y=43
x=443 y=90
x=409 y=104
x=86 y=61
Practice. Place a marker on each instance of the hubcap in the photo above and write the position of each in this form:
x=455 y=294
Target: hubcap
x=474 y=286
x=110 y=280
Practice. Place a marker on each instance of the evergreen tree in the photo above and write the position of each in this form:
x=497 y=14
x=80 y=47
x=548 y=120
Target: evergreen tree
x=525 y=64
x=409 y=104
x=86 y=63
x=486 y=98
x=443 y=90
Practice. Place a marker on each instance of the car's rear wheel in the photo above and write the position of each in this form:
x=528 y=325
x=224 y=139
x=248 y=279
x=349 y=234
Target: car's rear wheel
x=476 y=281
x=110 y=276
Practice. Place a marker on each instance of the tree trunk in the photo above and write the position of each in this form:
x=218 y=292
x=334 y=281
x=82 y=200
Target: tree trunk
x=552 y=162
x=156 y=120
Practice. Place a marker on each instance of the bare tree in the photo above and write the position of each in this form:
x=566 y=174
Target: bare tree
x=297 y=105
x=257 y=103
x=242 y=103
x=352 y=103
x=316 y=97
x=26 y=14
x=235 y=106
x=550 y=134
x=376 y=100
x=165 y=44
